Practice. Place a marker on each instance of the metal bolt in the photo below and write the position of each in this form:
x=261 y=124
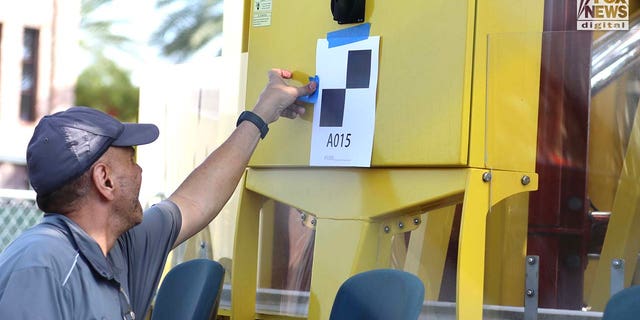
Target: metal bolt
x=530 y=293
x=303 y=216
x=416 y=221
x=400 y=225
x=313 y=221
x=531 y=260
x=617 y=263
x=387 y=229
x=202 y=244
x=486 y=177
x=525 y=180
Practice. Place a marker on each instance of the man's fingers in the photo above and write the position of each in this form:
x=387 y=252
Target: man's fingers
x=293 y=111
x=280 y=73
x=308 y=89
x=288 y=113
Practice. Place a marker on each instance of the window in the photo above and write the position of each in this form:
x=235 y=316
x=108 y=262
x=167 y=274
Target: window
x=29 y=74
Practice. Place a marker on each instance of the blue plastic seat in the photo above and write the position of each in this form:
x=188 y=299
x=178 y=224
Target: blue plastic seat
x=190 y=291
x=379 y=294
x=624 y=305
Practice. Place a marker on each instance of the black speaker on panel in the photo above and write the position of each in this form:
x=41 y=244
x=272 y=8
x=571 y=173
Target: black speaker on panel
x=348 y=11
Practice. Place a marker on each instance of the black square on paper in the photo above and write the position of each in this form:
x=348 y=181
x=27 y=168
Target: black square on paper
x=332 y=109
x=358 y=69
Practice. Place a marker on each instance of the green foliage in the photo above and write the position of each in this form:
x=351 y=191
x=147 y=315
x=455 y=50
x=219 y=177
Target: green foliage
x=104 y=85
x=188 y=27
x=96 y=33
x=107 y=87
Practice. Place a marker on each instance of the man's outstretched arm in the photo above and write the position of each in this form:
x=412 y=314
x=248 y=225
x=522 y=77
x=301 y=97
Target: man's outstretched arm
x=203 y=194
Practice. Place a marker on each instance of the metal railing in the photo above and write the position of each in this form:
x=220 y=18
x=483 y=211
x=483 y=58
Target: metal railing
x=18 y=211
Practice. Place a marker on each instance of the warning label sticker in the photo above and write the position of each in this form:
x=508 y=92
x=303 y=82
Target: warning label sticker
x=261 y=13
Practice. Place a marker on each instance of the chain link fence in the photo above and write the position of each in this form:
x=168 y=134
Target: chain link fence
x=18 y=211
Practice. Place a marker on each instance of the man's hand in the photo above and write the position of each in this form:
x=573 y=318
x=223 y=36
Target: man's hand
x=279 y=99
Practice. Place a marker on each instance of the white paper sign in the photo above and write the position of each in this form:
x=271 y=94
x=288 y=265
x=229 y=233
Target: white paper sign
x=344 y=114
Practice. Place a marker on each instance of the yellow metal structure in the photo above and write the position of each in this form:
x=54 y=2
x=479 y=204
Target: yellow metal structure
x=433 y=55
x=455 y=96
x=353 y=238
x=622 y=239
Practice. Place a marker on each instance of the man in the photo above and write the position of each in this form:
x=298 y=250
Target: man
x=95 y=255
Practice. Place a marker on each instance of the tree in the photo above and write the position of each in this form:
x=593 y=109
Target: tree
x=96 y=32
x=189 y=26
x=103 y=84
x=107 y=87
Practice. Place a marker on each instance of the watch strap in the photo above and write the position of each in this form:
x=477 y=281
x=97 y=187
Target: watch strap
x=256 y=120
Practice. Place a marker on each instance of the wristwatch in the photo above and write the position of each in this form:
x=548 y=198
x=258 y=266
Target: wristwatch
x=255 y=119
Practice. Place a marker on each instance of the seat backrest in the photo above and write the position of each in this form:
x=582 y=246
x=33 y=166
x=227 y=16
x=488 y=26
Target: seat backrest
x=624 y=305
x=379 y=294
x=190 y=291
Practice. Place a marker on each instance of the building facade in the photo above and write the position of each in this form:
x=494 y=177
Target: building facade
x=39 y=56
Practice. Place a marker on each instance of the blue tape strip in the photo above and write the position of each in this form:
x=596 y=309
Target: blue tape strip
x=349 y=35
x=312 y=98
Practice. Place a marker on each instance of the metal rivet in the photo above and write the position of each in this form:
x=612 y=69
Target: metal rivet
x=400 y=225
x=530 y=292
x=387 y=229
x=525 y=180
x=303 y=217
x=486 y=177
x=617 y=263
x=313 y=221
x=416 y=221
x=531 y=260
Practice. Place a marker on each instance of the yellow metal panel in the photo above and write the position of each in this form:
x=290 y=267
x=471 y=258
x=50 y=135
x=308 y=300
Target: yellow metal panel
x=480 y=195
x=353 y=193
x=519 y=84
x=422 y=112
x=622 y=239
x=343 y=248
x=424 y=91
x=470 y=274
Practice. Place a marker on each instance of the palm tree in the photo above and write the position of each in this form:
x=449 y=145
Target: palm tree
x=96 y=33
x=190 y=26
x=103 y=84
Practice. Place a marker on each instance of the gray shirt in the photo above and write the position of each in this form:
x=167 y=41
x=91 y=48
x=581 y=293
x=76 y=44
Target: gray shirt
x=56 y=271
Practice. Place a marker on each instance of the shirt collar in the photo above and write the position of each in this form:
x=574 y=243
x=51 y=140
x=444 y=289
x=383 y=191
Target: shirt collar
x=84 y=244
